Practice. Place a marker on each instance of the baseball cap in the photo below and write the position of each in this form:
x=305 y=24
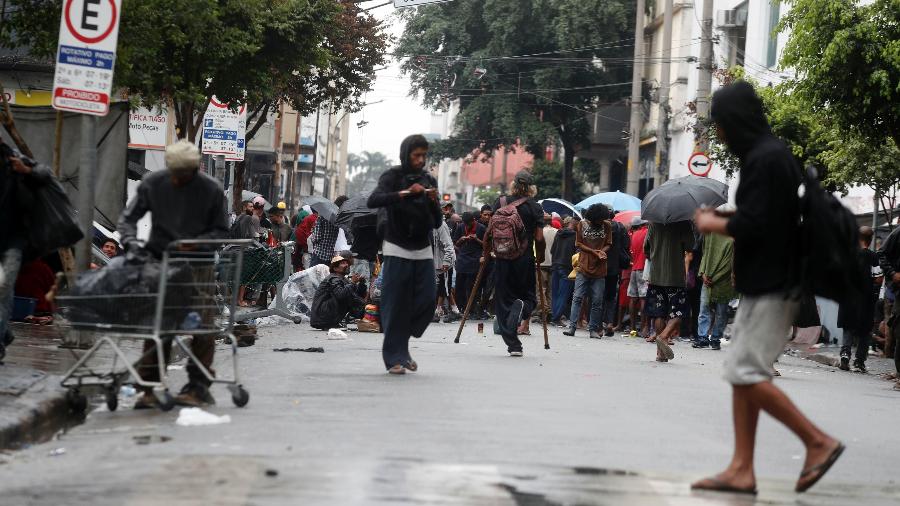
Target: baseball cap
x=636 y=221
x=258 y=201
x=524 y=177
x=336 y=259
x=281 y=205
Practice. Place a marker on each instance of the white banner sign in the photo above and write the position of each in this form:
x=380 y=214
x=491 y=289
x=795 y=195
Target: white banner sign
x=148 y=129
x=86 y=56
x=222 y=130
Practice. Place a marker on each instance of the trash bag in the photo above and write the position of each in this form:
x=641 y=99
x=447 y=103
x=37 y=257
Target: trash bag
x=124 y=294
x=300 y=289
x=49 y=217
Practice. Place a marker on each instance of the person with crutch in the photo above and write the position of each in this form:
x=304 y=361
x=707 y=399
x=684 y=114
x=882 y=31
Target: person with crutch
x=184 y=204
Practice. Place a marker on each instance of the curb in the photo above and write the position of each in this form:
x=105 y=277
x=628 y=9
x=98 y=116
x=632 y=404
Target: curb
x=36 y=415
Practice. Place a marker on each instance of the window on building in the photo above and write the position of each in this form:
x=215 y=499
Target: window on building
x=774 y=16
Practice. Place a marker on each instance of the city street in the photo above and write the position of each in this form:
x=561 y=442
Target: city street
x=587 y=422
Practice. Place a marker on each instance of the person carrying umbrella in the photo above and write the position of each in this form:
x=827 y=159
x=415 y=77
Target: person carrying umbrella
x=325 y=232
x=764 y=226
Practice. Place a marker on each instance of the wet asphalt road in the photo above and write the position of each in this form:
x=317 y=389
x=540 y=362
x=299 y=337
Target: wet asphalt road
x=588 y=422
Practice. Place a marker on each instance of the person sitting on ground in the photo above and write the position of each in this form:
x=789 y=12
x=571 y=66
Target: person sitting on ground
x=337 y=297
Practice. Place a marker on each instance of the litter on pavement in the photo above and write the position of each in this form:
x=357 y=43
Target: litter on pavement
x=189 y=417
x=307 y=350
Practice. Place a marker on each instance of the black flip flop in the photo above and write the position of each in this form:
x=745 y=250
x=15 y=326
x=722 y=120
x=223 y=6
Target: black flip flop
x=820 y=468
x=717 y=485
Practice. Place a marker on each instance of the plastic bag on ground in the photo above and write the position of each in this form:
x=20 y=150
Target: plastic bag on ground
x=300 y=289
x=337 y=334
x=190 y=417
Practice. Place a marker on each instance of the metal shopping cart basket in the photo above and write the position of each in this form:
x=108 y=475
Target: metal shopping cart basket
x=190 y=294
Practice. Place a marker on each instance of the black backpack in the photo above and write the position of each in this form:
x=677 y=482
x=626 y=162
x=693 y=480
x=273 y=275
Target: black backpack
x=829 y=240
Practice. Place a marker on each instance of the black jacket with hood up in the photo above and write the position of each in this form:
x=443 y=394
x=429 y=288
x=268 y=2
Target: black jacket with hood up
x=407 y=222
x=766 y=224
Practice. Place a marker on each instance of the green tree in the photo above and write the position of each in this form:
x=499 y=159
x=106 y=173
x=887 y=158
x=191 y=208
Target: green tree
x=372 y=165
x=847 y=57
x=523 y=71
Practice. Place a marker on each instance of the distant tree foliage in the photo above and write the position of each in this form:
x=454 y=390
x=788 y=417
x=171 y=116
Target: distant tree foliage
x=522 y=70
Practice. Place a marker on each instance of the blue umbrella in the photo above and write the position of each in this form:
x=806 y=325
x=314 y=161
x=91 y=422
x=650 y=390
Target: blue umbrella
x=617 y=200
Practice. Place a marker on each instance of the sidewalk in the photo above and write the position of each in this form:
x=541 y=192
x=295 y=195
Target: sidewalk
x=32 y=403
x=830 y=355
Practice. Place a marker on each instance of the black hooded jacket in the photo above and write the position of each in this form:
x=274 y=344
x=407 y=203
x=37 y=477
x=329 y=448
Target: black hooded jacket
x=765 y=226
x=407 y=222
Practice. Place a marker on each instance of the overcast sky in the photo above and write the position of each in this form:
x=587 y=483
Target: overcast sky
x=396 y=115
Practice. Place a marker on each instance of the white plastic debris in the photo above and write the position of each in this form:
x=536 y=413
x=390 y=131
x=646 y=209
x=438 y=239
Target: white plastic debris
x=336 y=334
x=57 y=452
x=190 y=417
x=271 y=321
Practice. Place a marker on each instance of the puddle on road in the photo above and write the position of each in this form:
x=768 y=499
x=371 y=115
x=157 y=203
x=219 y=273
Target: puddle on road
x=596 y=471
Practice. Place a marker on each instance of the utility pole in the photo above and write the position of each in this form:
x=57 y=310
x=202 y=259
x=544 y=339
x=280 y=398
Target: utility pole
x=505 y=174
x=704 y=84
x=662 y=127
x=87 y=170
x=296 y=163
x=634 y=129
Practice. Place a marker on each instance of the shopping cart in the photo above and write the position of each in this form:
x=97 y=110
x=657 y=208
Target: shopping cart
x=191 y=293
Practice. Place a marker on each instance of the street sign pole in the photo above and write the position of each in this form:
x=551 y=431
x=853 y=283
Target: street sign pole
x=82 y=83
x=87 y=170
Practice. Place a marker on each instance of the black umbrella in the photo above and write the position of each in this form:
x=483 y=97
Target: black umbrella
x=678 y=199
x=309 y=200
x=353 y=211
x=326 y=209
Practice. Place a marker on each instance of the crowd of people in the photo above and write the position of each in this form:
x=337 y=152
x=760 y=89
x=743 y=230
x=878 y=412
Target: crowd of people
x=423 y=263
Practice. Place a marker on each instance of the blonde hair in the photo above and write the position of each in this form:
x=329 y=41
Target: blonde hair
x=182 y=157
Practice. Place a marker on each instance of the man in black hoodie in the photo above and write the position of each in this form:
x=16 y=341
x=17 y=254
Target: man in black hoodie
x=409 y=212
x=889 y=259
x=768 y=210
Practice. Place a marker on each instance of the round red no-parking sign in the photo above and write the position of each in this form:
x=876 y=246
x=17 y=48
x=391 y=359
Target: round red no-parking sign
x=104 y=33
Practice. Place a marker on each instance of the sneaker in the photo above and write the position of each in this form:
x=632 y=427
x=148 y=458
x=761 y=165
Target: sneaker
x=700 y=343
x=397 y=369
x=514 y=318
x=860 y=366
x=515 y=354
x=845 y=364
x=452 y=317
x=147 y=400
x=686 y=339
x=570 y=332
x=715 y=345
x=194 y=395
x=594 y=335
x=664 y=349
x=436 y=318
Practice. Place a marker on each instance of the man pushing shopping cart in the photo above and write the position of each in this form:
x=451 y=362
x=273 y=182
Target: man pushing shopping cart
x=188 y=214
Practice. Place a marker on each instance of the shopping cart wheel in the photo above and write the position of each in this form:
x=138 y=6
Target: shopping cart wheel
x=166 y=401
x=239 y=395
x=112 y=398
x=77 y=401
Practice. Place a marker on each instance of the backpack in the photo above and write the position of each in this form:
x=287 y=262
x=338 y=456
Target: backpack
x=829 y=240
x=507 y=231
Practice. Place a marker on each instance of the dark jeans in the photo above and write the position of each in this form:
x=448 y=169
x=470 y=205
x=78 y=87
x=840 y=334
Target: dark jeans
x=610 y=297
x=465 y=281
x=408 y=299
x=513 y=279
x=561 y=287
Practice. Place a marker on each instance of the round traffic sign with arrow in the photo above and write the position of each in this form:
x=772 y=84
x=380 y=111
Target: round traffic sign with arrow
x=699 y=164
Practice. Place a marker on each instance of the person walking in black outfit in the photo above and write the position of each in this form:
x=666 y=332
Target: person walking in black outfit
x=410 y=212
x=768 y=212
x=860 y=330
x=514 y=264
x=469 y=240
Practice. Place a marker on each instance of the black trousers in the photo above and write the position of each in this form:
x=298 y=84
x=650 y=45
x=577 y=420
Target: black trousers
x=610 y=296
x=513 y=279
x=464 y=284
x=408 y=299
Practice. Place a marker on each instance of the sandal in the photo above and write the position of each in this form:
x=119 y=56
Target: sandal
x=816 y=472
x=714 y=484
